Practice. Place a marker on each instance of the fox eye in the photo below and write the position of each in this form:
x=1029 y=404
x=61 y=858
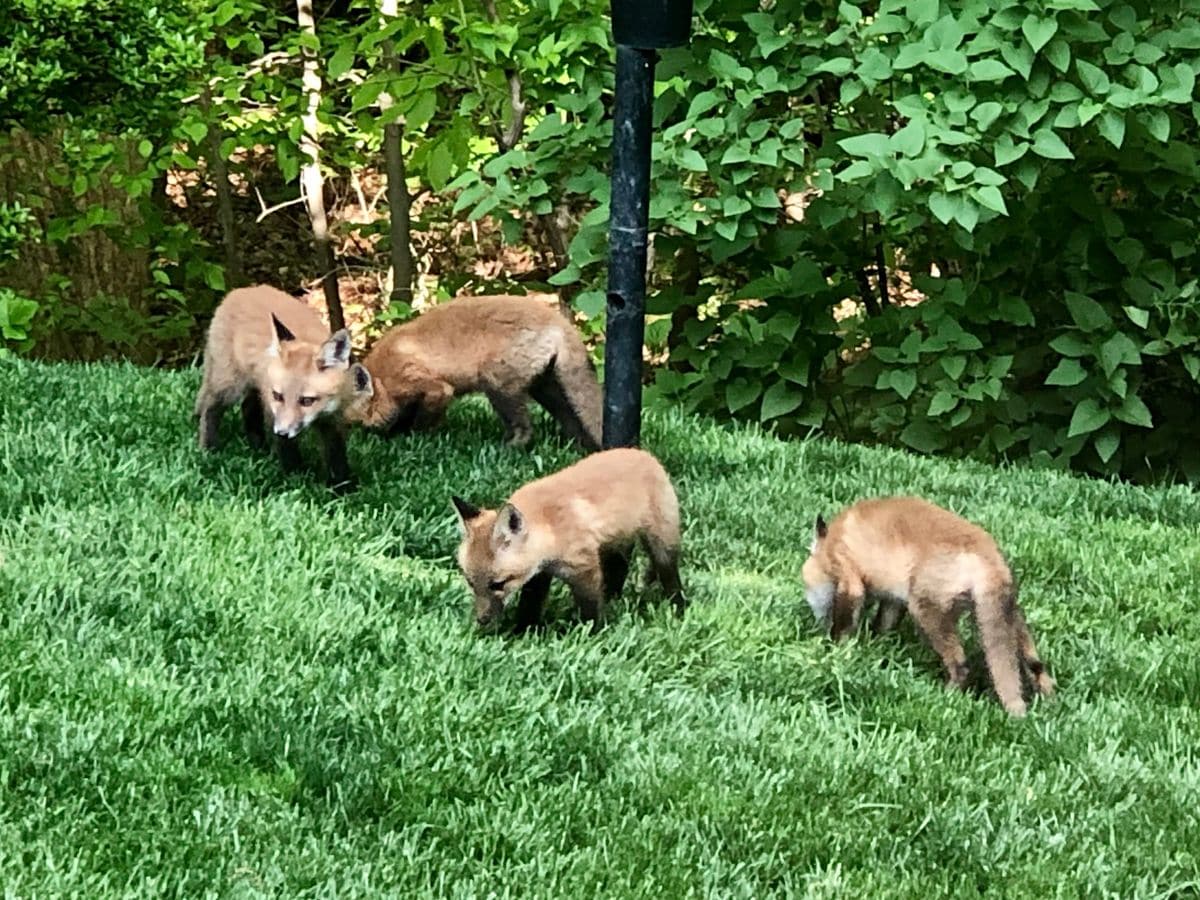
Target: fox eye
x=497 y=585
x=307 y=401
x=278 y=396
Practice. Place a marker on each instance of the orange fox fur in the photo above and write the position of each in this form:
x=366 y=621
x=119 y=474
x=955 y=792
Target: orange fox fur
x=915 y=556
x=513 y=349
x=578 y=524
x=274 y=354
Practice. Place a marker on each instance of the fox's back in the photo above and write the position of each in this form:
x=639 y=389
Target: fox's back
x=607 y=495
x=471 y=333
x=891 y=541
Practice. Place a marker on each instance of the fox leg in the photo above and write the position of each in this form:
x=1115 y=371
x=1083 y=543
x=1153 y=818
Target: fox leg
x=941 y=630
x=587 y=587
x=848 y=599
x=253 y=420
x=210 y=404
x=1029 y=657
x=532 y=599
x=664 y=563
x=614 y=566
x=996 y=621
x=333 y=448
x=887 y=616
x=289 y=454
x=513 y=411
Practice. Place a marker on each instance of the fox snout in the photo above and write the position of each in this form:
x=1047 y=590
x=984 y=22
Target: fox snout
x=285 y=430
x=488 y=611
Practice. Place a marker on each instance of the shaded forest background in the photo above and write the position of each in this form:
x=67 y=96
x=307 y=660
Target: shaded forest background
x=966 y=228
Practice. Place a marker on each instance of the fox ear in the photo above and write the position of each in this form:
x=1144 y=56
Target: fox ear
x=364 y=386
x=335 y=352
x=466 y=511
x=279 y=334
x=820 y=529
x=510 y=525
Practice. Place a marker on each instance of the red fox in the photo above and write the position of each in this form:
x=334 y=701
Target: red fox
x=915 y=556
x=578 y=524
x=273 y=353
x=512 y=349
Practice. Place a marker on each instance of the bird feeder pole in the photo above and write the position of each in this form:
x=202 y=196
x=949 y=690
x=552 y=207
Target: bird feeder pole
x=640 y=28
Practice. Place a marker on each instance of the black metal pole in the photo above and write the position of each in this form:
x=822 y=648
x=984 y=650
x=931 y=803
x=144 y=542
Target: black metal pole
x=626 y=326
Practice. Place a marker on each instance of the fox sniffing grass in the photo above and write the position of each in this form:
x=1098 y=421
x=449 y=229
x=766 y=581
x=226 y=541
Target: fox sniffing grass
x=512 y=349
x=274 y=354
x=917 y=557
x=578 y=524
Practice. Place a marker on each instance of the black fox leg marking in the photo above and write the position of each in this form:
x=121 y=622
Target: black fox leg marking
x=532 y=599
x=333 y=447
x=253 y=420
x=548 y=392
x=887 y=616
x=210 y=420
x=514 y=413
x=941 y=630
x=588 y=590
x=846 y=607
x=664 y=563
x=614 y=564
x=289 y=454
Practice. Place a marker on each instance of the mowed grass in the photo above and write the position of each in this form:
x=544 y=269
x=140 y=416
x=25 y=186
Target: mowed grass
x=218 y=681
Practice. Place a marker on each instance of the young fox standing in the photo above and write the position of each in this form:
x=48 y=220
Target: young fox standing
x=913 y=555
x=578 y=524
x=273 y=353
x=513 y=349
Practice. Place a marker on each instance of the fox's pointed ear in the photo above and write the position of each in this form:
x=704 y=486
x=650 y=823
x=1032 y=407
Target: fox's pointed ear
x=820 y=529
x=335 y=352
x=279 y=334
x=364 y=385
x=510 y=525
x=466 y=511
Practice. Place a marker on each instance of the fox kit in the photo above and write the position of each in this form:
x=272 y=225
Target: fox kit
x=578 y=524
x=512 y=349
x=273 y=353
x=914 y=556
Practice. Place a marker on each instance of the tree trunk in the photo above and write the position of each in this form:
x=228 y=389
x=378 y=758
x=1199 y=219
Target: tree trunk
x=219 y=174
x=311 y=184
x=397 y=186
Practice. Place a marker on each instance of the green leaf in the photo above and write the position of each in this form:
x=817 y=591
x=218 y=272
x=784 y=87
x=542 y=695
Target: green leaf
x=1070 y=344
x=1038 y=31
x=735 y=206
x=910 y=139
x=954 y=366
x=1106 y=444
x=943 y=206
x=1139 y=317
x=1158 y=124
x=1006 y=151
x=1067 y=373
x=741 y=393
x=1059 y=54
x=952 y=62
x=1049 y=145
x=439 y=165
x=195 y=129
x=991 y=197
x=1134 y=411
x=1117 y=351
x=1093 y=77
x=903 y=382
x=849 y=13
x=1088 y=417
x=690 y=159
x=986 y=113
x=1087 y=313
x=921 y=12
x=1112 y=127
x=779 y=400
x=341 y=61
x=868 y=145
x=1015 y=310
x=145 y=148
x=923 y=436
x=989 y=70
x=942 y=403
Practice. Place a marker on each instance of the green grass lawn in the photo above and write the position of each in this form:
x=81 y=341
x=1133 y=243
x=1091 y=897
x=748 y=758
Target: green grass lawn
x=217 y=680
